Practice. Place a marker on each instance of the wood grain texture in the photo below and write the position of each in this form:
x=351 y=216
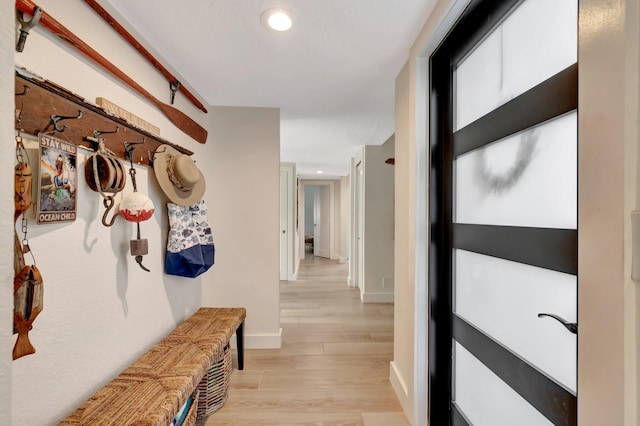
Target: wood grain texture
x=333 y=367
x=45 y=98
x=152 y=390
x=143 y=51
x=180 y=119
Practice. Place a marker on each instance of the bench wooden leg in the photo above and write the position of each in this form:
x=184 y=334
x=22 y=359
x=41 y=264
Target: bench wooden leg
x=240 y=344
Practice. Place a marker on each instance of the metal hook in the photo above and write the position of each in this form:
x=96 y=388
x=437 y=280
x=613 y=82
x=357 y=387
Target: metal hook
x=152 y=155
x=57 y=118
x=139 y=261
x=108 y=204
x=174 y=86
x=25 y=90
x=128 y=149
x=25 y=26
x=128 y=153
x=97 y=133
x=19 y=115
x=95 y=142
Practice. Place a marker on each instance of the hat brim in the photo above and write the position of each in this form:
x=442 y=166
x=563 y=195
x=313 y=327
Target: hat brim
x=176 y=196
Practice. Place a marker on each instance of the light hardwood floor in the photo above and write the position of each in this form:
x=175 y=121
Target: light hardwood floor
x=333 y=367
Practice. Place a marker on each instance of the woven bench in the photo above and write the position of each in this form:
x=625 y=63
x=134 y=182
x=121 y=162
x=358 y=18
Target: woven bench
x=152 y=390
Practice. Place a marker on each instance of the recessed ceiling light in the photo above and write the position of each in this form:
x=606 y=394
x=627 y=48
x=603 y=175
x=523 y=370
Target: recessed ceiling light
x=319 y=172
x=277 y=19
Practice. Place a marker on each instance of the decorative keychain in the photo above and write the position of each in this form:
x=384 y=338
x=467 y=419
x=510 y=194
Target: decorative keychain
x=27 y=284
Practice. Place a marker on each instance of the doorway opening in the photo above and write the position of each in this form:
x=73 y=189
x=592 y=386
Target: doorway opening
x=317 y=219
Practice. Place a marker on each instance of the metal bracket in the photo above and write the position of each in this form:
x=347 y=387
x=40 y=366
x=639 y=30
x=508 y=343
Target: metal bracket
x=128 y=153
x=55 y=119
x=129 y=147
x=96 y=134
x=25 y=26
x=25 y=90
x=174 y=86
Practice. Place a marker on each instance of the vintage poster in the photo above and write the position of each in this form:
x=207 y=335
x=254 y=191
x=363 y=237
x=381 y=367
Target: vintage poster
x=58 y=180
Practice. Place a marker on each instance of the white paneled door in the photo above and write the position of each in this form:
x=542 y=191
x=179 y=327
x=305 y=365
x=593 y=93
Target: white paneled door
x=503 y=263
x=322 y=221
x=284 y=223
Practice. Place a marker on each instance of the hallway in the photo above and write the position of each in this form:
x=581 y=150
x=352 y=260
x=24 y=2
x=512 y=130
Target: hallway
x=333 y=367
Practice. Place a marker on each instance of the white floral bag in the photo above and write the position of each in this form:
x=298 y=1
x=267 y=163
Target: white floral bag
x=190 y=248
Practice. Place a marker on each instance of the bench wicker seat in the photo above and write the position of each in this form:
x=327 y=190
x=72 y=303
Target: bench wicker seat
x=152 y=389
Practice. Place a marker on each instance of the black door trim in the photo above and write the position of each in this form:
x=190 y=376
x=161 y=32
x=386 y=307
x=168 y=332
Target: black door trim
x=549 y=99
x=482 y=17
x=478 y=19
x=457 y=416
x=553 y=400
x=439 y=335
x=550 y=248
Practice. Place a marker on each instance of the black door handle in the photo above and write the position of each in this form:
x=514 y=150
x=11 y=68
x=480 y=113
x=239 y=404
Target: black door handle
x=571 y=326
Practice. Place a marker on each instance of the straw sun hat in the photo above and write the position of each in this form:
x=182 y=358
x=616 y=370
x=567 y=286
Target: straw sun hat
x=178 y=176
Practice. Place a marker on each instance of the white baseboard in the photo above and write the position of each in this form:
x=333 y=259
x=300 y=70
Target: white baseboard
x=377 y=297
x=342 y=259
x=260 y=341
x=401 y=389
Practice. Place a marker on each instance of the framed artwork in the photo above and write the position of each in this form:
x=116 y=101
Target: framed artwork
x=58 y=180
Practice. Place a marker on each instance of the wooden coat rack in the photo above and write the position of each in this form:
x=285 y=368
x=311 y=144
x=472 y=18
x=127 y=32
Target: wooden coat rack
x=44 y=99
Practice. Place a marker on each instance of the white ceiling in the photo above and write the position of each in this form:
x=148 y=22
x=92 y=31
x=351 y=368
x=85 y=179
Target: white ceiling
x=332 y=75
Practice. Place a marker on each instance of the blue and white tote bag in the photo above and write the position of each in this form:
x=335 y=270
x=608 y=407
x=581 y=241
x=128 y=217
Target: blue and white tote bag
x=190 y=249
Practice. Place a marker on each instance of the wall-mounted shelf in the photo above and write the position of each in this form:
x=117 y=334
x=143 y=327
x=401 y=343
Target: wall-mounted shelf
x=44 y=99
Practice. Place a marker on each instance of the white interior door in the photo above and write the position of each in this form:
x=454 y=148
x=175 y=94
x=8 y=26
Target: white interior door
x=358 y=251
x=322 y=225
x=317 y=221
x=284 y=220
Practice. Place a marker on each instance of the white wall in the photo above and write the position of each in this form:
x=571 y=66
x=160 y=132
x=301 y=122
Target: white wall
x=336 y=228
x=377 y=284
x=244 y=183
x=101 y=311
x=378 y=223
x=356 y=218
x=404 y=260
x=608 y=299
x=7 y=156
x=345 y=208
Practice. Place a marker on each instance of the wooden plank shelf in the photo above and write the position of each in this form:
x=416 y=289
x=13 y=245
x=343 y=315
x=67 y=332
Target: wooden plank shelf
x=44 y=99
